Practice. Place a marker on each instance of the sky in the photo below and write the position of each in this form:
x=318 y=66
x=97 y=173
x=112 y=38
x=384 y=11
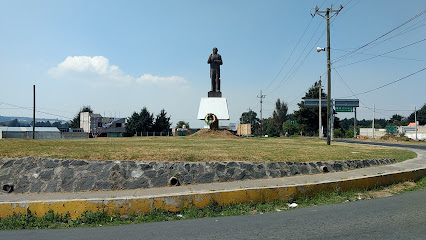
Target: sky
x=121 y=56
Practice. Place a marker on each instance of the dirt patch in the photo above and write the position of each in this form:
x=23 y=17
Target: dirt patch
x=387 y=192
x=389 y=137
x=207 y=133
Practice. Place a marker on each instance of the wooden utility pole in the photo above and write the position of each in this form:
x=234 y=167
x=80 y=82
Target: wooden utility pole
x=327 y=17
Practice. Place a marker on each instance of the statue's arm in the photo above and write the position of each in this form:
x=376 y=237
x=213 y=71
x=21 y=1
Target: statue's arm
x=209 y=61
x=219 y=60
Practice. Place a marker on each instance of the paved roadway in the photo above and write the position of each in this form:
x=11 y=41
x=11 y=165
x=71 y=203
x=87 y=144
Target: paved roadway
x=420 y=147
x=397 y=217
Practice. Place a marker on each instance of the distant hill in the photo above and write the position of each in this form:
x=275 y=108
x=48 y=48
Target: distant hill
x=28 y=120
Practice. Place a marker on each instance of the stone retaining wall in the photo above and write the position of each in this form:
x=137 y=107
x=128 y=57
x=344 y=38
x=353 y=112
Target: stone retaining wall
x=55 y=175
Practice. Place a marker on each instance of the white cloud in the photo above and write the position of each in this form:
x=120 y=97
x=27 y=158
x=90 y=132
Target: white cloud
x=98 y=69
x=148 y=78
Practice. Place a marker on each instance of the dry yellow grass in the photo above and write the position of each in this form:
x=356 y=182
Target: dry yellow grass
x=196 y=149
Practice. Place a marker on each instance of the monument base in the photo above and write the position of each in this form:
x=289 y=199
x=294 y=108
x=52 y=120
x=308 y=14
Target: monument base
x=215 y=94
x=217 y=106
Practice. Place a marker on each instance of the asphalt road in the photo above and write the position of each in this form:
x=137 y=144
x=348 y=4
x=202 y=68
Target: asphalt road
x=420 y=147
x=397 y=217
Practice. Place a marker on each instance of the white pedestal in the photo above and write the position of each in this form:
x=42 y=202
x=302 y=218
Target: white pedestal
x=215 y=105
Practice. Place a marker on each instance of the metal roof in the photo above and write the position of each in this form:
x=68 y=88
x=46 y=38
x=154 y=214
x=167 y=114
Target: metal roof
x=29 y=129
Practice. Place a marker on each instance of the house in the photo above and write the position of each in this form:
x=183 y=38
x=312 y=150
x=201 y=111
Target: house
x=98 y=126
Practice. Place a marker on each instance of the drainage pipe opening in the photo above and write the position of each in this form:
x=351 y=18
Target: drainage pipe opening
x=174 y=181
x=7 y=188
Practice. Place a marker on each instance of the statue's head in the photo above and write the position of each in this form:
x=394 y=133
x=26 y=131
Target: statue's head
x=214 y=50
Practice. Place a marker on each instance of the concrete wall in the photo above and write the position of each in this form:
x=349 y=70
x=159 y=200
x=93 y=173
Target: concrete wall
x=29 y=135
x=55 y=175
x=74 y=135
x=368 y=132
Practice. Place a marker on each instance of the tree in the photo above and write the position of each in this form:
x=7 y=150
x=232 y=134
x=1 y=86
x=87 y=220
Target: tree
x=290 y=127
x=43 y=124
x=180 y=124
x=398 y=120
x=307 y=117
x=14 y=123
x=75 y=122
x=142 y=122
x=162 y=122
x=251 y=117
x=279 y=115
x=269 y=128
x=421 y=115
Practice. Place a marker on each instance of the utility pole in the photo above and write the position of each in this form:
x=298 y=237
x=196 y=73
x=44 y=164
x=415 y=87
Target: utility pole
x=415 y=120
x=327 y=17
x=355 y=130
x=374 y=111
x=319 y=109
x=34 y=121
x=261 y=119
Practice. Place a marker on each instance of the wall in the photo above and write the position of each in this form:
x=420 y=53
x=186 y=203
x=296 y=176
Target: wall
x=368 y=132
x=74 y=135
x=55 y=175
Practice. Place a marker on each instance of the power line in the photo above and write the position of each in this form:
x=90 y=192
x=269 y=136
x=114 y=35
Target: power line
x=291 y=54
x=287 y=76
x=30 y=109
x=387 y=84
x=407 y=30
x=365 y=106
x=400 y=58
x=363 y=60
x=383 y=35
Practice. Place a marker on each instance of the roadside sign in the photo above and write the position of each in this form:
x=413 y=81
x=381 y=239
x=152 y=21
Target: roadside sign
x=391 y=129
x=346 y=102
x=344 y=109
x=315 y=102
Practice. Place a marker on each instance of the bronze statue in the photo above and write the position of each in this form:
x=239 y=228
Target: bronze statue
x=215 y=60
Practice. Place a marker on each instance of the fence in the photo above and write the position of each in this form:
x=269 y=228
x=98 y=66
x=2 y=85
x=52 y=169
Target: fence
x=150 y=134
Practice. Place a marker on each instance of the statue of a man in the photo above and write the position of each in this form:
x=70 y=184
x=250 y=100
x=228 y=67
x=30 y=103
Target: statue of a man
x=215 y=60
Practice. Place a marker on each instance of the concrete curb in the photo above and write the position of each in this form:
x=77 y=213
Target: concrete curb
x=173 y=203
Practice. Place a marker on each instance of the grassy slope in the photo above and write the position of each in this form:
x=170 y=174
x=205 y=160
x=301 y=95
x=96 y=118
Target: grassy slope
x=197 y=149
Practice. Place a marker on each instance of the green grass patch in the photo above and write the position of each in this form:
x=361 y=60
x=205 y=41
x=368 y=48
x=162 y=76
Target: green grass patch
x=197 y=149
x=91 y=219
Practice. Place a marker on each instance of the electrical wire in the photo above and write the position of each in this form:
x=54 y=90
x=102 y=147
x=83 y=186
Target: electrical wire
x=363 y=60
x=365 y=106
x=387 y=84
x=383 y=35
x=31 y=109
x=400 y=58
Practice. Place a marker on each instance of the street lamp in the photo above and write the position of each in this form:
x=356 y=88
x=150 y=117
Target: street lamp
x=320 y=49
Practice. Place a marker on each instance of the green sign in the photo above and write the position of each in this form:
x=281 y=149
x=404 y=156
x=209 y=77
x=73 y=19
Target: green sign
x=344 y=109
x=391 y=129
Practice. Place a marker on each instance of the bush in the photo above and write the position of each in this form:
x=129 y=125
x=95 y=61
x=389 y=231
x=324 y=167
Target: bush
x=339 y=133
